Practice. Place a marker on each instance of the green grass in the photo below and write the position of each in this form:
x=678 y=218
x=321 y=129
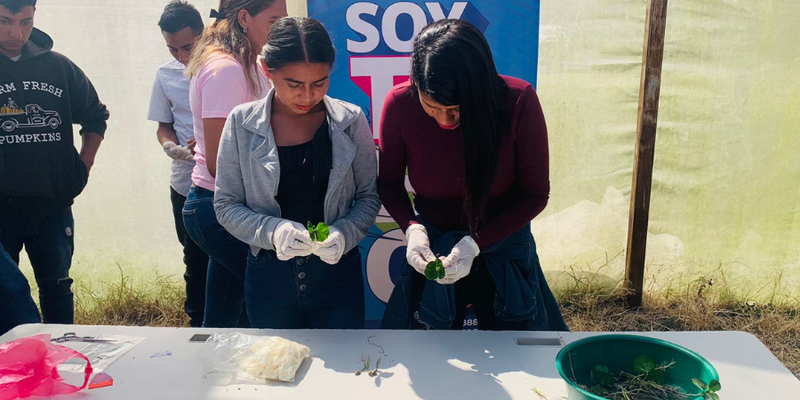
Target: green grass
x=125 y=302
x=707 y=303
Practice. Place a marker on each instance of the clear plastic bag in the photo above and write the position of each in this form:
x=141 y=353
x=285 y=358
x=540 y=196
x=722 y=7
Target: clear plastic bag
x=102 y=354
x=262 y=357
x=28 y=367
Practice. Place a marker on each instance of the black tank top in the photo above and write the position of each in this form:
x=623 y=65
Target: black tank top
x=305 y=169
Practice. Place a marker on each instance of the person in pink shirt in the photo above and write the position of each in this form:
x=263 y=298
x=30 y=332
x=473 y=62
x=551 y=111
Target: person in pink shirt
x=225 y=72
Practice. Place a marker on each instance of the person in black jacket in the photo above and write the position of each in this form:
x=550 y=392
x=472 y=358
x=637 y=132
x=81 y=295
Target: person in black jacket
x=42 y=94
x=17 y=307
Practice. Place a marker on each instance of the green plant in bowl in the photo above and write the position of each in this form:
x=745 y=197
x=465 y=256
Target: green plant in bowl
x=631 y=366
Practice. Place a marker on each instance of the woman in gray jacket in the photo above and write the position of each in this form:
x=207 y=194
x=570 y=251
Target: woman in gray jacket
x=293 y=158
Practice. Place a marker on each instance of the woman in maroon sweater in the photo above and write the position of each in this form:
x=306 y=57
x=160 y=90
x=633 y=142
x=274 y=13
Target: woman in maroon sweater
x=474 y=145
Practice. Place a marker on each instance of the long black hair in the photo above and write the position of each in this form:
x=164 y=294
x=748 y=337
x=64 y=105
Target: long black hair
x=298 y=39
x=453 y=64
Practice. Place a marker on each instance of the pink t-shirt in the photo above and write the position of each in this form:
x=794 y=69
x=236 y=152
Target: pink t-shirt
x=214 y=91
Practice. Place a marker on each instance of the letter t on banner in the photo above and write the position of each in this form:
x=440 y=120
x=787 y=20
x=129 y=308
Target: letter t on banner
x=376 y=76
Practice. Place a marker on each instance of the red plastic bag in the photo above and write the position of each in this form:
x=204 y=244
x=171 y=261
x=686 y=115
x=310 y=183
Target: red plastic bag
x=28 y=367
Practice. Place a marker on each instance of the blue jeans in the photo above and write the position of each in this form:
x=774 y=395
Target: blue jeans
x=49 y=242
x=226 y=264
x=196 y=261
x=16 y=304
x=304 y=292
x=506 y=286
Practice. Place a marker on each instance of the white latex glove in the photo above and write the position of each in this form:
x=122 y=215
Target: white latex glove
x=177 y=152
x=459 y=263
x=291 y=239
x=332 y=248
x=418 y=252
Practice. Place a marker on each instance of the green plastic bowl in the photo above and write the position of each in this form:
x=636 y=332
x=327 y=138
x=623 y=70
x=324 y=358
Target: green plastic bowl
x=618 y=352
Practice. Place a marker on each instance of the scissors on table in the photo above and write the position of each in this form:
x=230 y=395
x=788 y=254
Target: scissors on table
x=72 y=337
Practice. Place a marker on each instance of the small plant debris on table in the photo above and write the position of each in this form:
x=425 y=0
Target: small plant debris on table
x=434 y=270
x=647 y=383
x=366 y=366
x=318 y=233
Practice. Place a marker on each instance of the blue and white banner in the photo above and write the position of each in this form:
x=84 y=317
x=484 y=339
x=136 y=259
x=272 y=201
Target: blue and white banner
x=373 y=40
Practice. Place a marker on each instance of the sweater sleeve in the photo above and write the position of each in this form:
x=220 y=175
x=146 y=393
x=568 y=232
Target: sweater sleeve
x=87 y=110
x=392 y=165
x=532 y=189
x=230 y=202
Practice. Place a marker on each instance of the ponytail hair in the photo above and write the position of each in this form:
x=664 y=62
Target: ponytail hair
x=226 y=36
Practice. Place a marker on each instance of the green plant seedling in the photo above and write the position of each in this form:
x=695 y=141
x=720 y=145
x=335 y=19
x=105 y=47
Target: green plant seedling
x=709 y=390
x=434 y=270
x=645 y=382
x=364 y=365
x=374 y=372
x=645 y=365
x=602 y=376
x=318 y=233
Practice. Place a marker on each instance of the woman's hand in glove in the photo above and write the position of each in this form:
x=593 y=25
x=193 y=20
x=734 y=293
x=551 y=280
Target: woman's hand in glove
x=291 y=239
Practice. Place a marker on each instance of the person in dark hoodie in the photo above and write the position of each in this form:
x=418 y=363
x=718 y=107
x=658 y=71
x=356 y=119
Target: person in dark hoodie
x=17 y=307
x=42 y=94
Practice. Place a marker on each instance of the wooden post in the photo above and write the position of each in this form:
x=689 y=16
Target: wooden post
x=655 y=27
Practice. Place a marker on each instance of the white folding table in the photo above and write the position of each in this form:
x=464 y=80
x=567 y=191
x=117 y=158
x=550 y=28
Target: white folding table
x=415 y=365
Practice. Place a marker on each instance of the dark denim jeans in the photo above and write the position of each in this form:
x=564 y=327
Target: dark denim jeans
x=16 y=304
x=304 y=292
x=226 y=264
x=506 y=286
x=49 y=242
x=196 y=262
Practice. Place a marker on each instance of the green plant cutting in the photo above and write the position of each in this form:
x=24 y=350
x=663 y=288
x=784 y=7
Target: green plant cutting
x=709 y=390
x=434 y=270
x=646 y=383
x=318 y=233
x=366 y=368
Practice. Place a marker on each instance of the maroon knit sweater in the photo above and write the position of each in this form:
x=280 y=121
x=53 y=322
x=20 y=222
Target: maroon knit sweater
x=434 y=158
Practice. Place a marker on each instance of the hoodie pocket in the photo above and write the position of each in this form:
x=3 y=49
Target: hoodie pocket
x=80 y=176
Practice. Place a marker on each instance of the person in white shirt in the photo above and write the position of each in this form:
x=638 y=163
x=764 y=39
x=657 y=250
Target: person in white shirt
x=181 y=26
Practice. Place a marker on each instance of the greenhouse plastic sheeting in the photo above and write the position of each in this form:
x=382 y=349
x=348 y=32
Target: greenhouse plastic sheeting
x=726 y=180
x=726 y=184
